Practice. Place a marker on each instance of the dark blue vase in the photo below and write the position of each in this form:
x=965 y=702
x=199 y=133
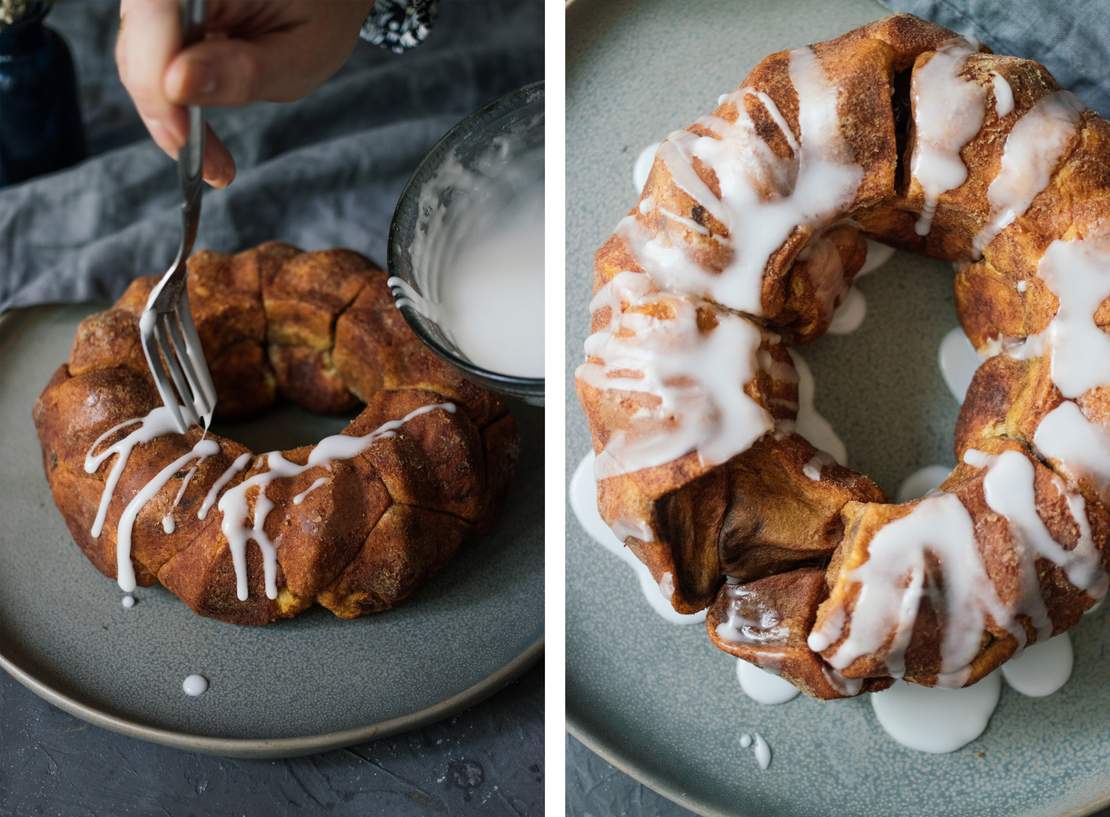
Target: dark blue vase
x=40 y=118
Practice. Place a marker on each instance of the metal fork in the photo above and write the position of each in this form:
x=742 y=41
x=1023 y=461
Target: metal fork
x=169 y=336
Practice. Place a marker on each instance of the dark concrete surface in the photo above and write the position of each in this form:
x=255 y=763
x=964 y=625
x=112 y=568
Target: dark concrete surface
x=487 y=760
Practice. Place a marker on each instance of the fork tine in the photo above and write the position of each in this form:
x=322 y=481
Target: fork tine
x=187 y=363
x=196 y=355
x=151 y=349
x=164 y=329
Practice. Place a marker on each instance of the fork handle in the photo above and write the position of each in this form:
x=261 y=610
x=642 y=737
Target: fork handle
x=191 y=156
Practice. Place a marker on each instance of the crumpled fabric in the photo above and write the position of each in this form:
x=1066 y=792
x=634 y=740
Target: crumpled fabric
x=324 y=171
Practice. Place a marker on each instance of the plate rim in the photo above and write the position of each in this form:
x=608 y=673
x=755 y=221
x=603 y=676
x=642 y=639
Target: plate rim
x=578 y=728
x=276 y=748
x=259 y=748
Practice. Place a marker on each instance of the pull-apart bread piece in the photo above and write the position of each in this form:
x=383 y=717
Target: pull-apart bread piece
x=356 y=523
x=749 y=231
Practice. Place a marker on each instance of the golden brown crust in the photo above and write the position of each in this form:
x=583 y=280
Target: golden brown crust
x=997 y=547
x=362 y=535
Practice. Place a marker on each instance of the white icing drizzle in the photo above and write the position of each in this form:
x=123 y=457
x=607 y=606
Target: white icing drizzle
x=852 y=309
x=1033 y=149
x=1081 y=447
x=688 y=223
x=238 y=465
x=1078 y=273
x=892 y=579
x=1041 y=668
x=158 y=422
x=316 y=483
x=766 y=630
x=233 y=504
x=763 y=197
x=583 y=501
x=892 y=586
x=194 y=685
x=762 y=751
x=125 y=571
x=1003 y=95
x=762 y=686
x=641 y=169
x=943 y=720
x=948 y=112
x=816 y=464
x=127 y=602
x=167 y=521
x=958 y=362
x=696 y=377
x=848 y=687
x=809 y=423
x=877 y=255
x=1008 y=488
x=921 y=482
x=936 y=720
x=405 y=294
x=849 y=314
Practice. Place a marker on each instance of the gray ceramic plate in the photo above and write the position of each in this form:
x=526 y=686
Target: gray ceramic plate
x=656 y=699
x=297 y=687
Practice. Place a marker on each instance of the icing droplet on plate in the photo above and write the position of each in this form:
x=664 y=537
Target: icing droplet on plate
x=849 y=314
x=583 y=501
x=809 y=423
x=958 y=362
x=762 y=751
x=127 y=602
x=935 y=719
x=1041 y=668
x=195 y=685
x=922 y=481
x=877 y=255
x=642 y=168
x=762 y=686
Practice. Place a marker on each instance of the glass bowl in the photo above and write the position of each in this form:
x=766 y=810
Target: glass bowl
x=472 y=176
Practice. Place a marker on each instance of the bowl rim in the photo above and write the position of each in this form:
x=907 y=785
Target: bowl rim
x=409 y=199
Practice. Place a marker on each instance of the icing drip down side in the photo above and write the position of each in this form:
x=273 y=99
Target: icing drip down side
x=887 y=605
x=582 y=496
x=763 y=198
x=696 y=377
x=233 y=505
x=948 y=113
x=1032 y=151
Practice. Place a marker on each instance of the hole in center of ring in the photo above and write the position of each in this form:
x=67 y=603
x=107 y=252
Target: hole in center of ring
x=881 y=386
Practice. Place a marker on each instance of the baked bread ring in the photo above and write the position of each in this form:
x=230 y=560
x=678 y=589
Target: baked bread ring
x=355 y=523
x=748 y=232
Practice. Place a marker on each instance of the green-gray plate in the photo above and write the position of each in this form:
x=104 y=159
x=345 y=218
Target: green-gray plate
x=296 y=687
x=656 y=699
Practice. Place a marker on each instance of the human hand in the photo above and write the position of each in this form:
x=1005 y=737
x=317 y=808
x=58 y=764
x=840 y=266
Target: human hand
x=272 y=50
